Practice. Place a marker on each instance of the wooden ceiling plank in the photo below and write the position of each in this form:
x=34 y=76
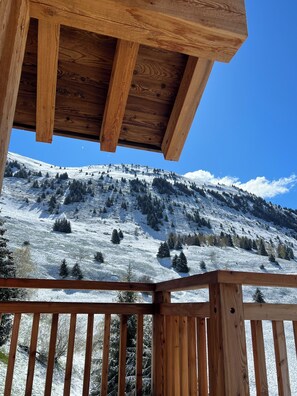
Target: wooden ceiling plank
x=47 y=71
x=202 y=28
x=118 y=92
x=14 y=17
x=189 y=95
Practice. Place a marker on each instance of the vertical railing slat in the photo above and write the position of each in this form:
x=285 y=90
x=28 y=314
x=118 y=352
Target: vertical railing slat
x=169 y=385
x=105 y=355
x=295 y=334
x=281 y=361
x=139 y=353
x=202 y=357
x=176 y=356
x=12 y=354
x=122 y=355
x=88 y=355
x=192 y=356
x=51 y=355
x=70 y=350
x=184 y=356
x=259 y=357
x=32 y=354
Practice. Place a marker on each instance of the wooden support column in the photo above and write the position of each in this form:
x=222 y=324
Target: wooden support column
x=158 y=347
x=14 y=25
x=228 y=373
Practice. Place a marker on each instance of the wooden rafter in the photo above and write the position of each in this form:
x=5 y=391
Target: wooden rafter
x=47 y=70
x=14 y=17
x=119 y=87
x=213 y=30
x=190 y=92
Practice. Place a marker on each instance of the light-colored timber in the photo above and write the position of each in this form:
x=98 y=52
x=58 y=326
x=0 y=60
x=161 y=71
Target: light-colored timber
x=47 y=74
x=14 y=17
x=116 y=72
x=180 y=337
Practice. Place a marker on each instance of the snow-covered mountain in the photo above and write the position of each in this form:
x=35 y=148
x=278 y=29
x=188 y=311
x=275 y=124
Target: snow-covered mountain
x=216 y=226
x=147 y=205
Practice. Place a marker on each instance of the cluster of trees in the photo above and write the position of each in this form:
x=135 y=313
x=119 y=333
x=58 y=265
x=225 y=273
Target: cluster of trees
x=62 y=225
x=75 y=272
x=196 y=218
x=153 y=208
x=180 y=263
x=76 y=193
x=116 y=236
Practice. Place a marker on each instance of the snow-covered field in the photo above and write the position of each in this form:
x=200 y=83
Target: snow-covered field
x=27 y=220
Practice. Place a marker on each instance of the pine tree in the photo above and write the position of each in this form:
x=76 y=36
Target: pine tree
x=115 y=237
x=7 y=270
x=171 y=241
x=121 y=235
x=262 y=250
x=98 y=256
x=258 y=296
x=163 y=250
x=76 y=272
x=62 y=225
x=180 y=264
x=64 y=271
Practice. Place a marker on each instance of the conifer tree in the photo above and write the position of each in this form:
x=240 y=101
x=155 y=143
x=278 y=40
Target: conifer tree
x=262 y=250
x=98 y=256
x=76 y=272
x=258 y=296
x=64 y=271
x=163 y=250
x=115 y=237
x=7 y=270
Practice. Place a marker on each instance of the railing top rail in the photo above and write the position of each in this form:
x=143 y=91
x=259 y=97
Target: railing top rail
x=22 y=283
x=244 y=278
x=75 y=307
x=200 y=281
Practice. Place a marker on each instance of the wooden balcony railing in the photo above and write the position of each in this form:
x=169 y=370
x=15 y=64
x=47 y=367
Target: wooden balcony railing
x=197 y=348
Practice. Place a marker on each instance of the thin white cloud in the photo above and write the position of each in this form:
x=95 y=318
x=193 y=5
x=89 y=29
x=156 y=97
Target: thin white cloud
x=259 y=186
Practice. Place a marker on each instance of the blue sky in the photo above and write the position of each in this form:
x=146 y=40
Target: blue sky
x=245 y=129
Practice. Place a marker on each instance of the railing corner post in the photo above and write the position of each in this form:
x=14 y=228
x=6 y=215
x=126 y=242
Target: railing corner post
x=158 y=345
x=228 y=371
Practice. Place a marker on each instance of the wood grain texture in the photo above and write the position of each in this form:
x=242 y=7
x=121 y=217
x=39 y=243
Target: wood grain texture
x=202 y=357
x=77 y=308
x=32 y=354
x=69 y=360
x=254 y=311
x=12 y=354
x=119 y=87
x=159 y=345
x=105 y=355
x=139 y=353
x=259 y=358
x=211 y=29
x=14 y=27
x=188 y=98
x=51 y=356
x=88 y=355
x=23 y=283
x=122 y=355
x=281 y=360
x=184 y=356
x=192 y=356
x=226 y=335
x=47 y=72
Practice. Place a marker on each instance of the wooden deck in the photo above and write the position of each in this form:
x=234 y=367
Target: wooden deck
x=197 y=348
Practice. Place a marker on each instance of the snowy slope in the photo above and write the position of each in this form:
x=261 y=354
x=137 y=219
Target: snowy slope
x=28 y=218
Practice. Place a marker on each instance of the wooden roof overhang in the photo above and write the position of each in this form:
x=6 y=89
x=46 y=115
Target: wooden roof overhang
x=118 y=72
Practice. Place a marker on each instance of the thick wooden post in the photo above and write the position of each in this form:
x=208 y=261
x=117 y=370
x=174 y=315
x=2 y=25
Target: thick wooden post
x=228 y=373
x=158 y=346
x=14 y=17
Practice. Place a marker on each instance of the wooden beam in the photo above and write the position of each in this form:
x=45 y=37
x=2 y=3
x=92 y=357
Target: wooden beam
x=213 y=30
x=119 y=87
x=188 y=98
x=14 y=17
x=47 y=70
